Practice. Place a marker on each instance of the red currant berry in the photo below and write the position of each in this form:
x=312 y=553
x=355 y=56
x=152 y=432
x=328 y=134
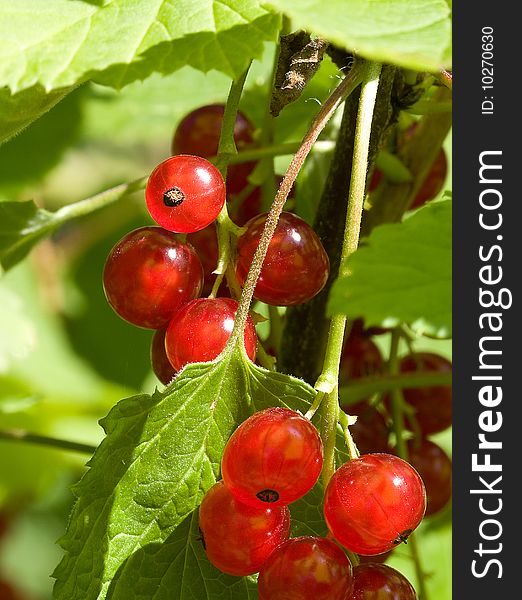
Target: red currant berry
x=199 y=132
x=376 y=558
x=149 y=274
x=275 y=456
x=185 y=193
x=370 y=432
x=206 y=245
x=199 y=331
x=360 y=357
x=432 y=184
x=7 y=592
x=380 y=582
x=373 y=503
x=296 y=266
x=434 y=466
x=238 y=538
x=161 y=366
x=432 y=405
x=304 y=568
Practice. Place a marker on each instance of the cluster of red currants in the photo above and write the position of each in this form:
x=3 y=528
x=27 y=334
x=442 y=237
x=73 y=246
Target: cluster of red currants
x=154 y=280
x=427 y=411
x=371 y=504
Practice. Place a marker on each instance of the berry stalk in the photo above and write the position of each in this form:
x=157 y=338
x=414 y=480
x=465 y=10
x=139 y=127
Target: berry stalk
x=346 y=86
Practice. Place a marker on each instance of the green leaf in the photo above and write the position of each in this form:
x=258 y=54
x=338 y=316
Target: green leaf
x=19 y=110
x=161 y=454
x=410 y=33
x=402 y=273
x=60 y=43
x=22 y=225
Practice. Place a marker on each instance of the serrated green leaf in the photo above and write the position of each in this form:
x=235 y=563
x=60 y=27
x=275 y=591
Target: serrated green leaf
x=19 y=110
x=22 y=225
x=161 y=454
x=402 y=273
x=60 y=43
x=410 y=33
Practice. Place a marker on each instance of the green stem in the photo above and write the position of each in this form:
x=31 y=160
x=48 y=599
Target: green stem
x=225 y=227
x=21 y=436
x=98 y=201
x=428 y=107
x=357 y=389
x=328 y=380
x=347 y=85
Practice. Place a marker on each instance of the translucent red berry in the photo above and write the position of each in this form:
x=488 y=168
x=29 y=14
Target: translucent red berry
x=432 y=184
x=251 y=206
x=370 y=432
x=360 y=357
x=432 y=405
x=7 y=592
x=185 y=193
x=373 y=503
x=434 y=466
x=198 y=133
x=380 y=582
x=159 y=361
x=199 y=331
x=306 y=568
x=238 y=538
x=275 y=457
x=296 y=266
x=149 y=274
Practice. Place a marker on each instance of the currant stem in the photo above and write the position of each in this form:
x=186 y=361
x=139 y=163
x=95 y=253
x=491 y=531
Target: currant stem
x=397 y=404
x=22 y=436
x=362 y=388
x=225 y=227
x=328 y=380
x=346 y=86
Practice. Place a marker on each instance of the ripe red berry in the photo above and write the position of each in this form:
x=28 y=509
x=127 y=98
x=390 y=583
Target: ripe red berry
x=296 y=266
x=161 y=366
x=432 y=184
x=238 y=538
x=149 y=274
x=198 y=133
x=370 y=432
x=434 y=466
x=185 y=193
x=380 y=582
x=275 y=456
x=199 y=331
x=360 y=357
x=373 y=503
x=306 y=567
x=432 y=405
x=376 y=558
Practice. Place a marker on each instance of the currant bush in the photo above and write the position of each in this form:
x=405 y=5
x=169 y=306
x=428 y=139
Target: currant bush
x=370 y=432
x=274 y=457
